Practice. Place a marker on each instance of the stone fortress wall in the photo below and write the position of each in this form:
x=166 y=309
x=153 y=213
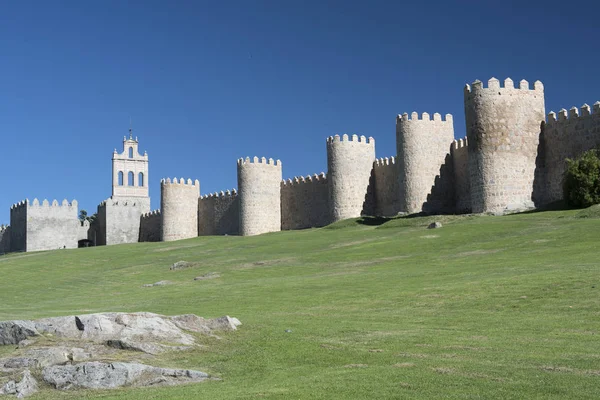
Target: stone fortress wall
x=179 y=208
x=150 y=226
x=511 y=158
x=349 y=162
x=565 y=136
x=422 y=145
x=41 y=226
x=219 y=213
x=119 y=220
x=503 y=129
x=4 y=239
x=304 y=202
x=386 y=186
x=259 y=195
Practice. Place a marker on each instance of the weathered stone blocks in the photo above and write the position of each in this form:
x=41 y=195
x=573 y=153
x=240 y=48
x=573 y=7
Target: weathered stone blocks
x=259 y=195
x=350 y=161
x=503 y=129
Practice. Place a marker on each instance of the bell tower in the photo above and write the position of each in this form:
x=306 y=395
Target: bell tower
x=129 y=170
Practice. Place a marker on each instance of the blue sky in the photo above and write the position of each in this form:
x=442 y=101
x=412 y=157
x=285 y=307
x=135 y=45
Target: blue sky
x=208 y=82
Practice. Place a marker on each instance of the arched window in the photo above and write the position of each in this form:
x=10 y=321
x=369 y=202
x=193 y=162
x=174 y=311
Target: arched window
x=131 y=152
x=120 y=178
x=130 y=178
x=141 y=179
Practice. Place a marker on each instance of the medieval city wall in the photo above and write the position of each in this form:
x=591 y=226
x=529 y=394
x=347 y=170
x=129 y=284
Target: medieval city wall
x=219 y=213
x=4 y=239
x=52 y=225
x=422 y=145
x=179 y=206
x=462 y=184
x=386 y=187
x=119 y=220
x=567 y=135
x=305 y=202
x=503 y=129
x=18 y=226
x=349 y=162
x=150 y=226
x=442 y=197
x=259 y=195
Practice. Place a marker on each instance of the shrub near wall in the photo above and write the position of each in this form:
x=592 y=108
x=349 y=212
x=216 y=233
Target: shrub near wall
x=582 y=180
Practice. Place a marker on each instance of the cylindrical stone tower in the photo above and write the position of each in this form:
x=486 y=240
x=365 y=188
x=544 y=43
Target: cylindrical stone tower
x=422 y=145
x=349 y=163
x=179 y=209
x=259 y=195
x=503 y=130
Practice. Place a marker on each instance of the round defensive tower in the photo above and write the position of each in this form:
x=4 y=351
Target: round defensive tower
x=503 y=130
x=179 y=208
x=349 y=163
x=259 y=195
x=422 y=145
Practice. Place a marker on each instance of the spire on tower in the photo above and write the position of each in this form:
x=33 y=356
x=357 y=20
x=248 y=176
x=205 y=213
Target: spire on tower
x=130 y=130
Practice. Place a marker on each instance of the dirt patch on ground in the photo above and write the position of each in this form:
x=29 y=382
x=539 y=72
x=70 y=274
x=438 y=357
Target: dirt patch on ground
x=404 y=365
x=412 y=355
x=373 y=262
x=354 y=243
x=264 y=263
x=429 y=236
x=443 y=370
x=477 y=253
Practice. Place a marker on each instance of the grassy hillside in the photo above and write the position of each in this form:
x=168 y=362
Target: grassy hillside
x=485 y=307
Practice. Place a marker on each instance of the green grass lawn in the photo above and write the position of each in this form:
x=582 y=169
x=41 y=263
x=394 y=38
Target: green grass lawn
x=485 y=307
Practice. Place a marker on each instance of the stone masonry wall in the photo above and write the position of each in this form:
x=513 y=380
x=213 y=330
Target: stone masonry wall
x=349 y=162
x=566 y=136
x=179 y=205
x=121 y=219
x=462 y=184
x=52 y=225
x=441 y=198
x=422 y=145
x=150 y=226
x=219 y=214
x=4 y=239
x=304 y=202
x=503 y=129
x=18 y=226
x=386 y=187
x=259 y=195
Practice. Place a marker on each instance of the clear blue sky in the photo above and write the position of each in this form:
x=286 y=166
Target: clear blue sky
x=208 y=82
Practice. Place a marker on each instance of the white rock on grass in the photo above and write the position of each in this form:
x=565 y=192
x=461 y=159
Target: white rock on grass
x=98 y=375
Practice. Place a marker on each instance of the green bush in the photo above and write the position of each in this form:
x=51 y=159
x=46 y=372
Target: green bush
x=581 y=186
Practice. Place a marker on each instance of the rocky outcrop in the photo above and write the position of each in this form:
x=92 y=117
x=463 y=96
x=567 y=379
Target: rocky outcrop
x=24 y=388
x=77 y=354
x=98 y=375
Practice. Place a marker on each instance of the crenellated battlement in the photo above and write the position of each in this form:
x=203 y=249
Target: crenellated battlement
x=493 y=84
x=46 y=203
x=181 y=182
x=20 y=205
x=298 y=180
x=221 y=194
x=574 y=114
x=3 y=228
x=460 y=144
x=256 y=160
x=414 y=116
x=385 y=161
x=151 y=214
x=111 y=202
x=353 y=138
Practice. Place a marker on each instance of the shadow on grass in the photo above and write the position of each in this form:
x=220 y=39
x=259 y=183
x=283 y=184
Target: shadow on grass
x=558 y=205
